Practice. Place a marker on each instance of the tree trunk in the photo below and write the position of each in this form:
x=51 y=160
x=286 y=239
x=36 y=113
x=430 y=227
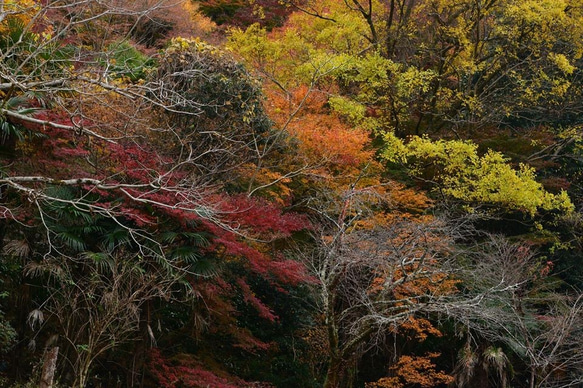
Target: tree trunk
x=49 y=367
x=532 y=377
x=339 y=374
x=82 y=374
x=334 y=376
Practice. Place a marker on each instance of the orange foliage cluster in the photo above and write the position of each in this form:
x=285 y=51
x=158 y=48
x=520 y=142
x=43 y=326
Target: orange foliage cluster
x=409 y=201
x=437 y=284
x=404 y=204
x=420 y=258
x=418 y=371
x=420 y=328
x=323 y=139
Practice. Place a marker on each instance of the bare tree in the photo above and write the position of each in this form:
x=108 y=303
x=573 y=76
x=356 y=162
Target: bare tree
x=526 y=311
x=99 y=310
x=372 y=280
x=378 y=280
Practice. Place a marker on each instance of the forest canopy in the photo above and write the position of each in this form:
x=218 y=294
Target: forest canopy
x=291 y=193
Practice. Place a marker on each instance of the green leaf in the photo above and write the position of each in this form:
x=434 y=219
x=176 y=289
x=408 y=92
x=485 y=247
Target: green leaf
x=72 y=240
x=112 y=239
x=187 y=254
x=103 y=261
x=204 y=267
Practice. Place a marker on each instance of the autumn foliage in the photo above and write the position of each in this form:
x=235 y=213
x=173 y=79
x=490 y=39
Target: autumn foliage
x=291 y=193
